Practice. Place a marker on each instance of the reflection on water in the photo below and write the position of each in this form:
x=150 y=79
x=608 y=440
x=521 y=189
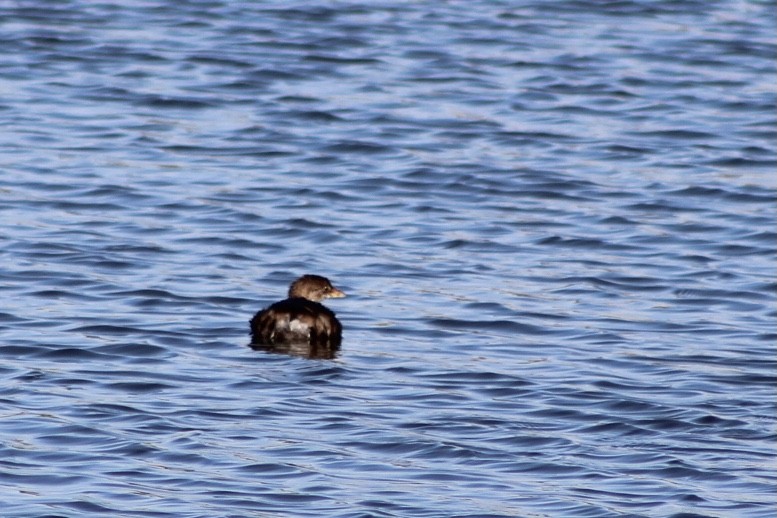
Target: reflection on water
x=315 y=351
x=557 y=224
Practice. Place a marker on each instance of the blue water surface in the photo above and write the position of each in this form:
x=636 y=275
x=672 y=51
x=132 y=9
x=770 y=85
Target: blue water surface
x=554 y=222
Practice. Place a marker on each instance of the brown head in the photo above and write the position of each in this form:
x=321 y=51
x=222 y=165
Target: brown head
x=315 y=288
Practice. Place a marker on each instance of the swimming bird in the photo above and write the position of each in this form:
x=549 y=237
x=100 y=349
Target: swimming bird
x=301 y=318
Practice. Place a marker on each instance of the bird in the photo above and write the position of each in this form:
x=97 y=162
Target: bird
x=301 y=318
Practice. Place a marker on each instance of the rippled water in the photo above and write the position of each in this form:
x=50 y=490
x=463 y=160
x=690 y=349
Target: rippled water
x=554 y=221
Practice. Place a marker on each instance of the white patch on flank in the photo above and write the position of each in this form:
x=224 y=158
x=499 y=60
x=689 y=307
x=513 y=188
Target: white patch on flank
x=295 y=326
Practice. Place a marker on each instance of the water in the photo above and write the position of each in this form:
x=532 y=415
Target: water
x=554 y=222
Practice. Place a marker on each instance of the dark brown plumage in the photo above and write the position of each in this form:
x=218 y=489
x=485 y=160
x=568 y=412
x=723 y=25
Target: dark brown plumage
x=300 y=319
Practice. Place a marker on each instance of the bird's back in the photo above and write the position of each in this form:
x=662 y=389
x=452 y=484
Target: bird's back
x=296 y=320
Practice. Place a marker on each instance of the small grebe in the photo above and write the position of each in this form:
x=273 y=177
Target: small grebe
x=300 y=318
